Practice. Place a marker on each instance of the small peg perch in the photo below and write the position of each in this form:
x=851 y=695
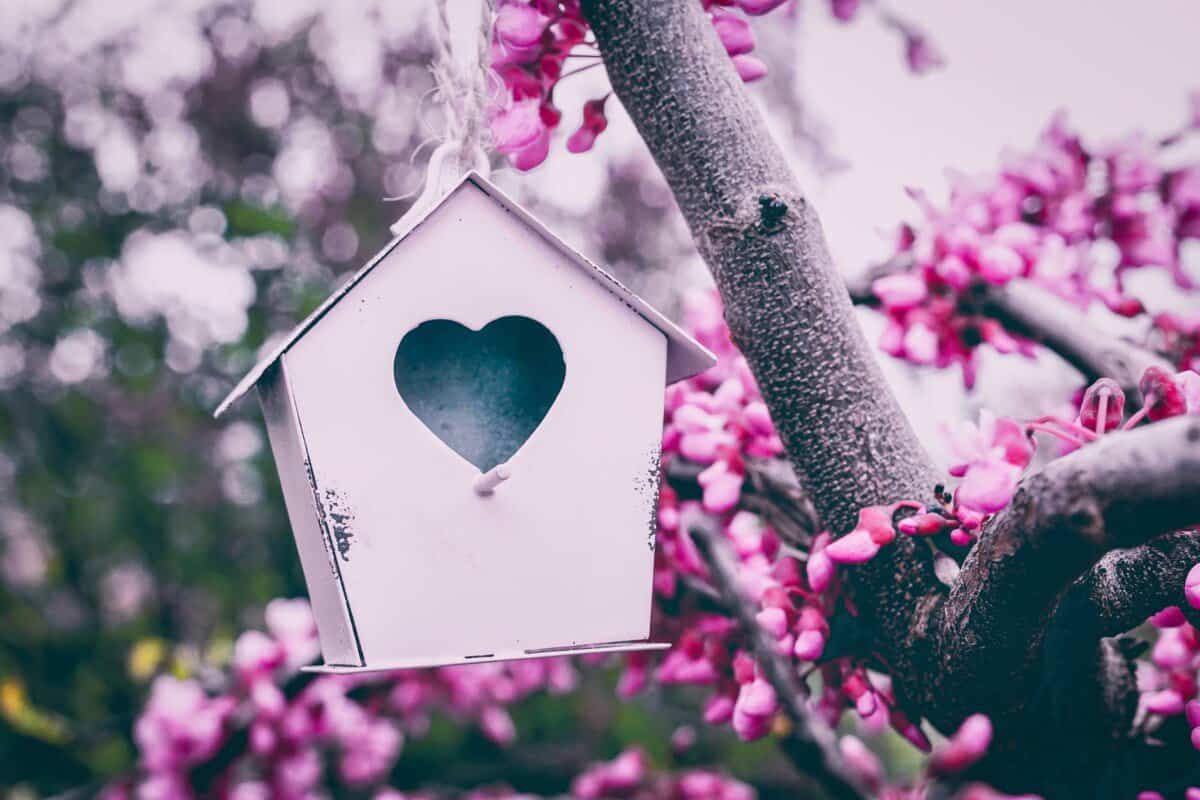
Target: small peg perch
x=486 y=483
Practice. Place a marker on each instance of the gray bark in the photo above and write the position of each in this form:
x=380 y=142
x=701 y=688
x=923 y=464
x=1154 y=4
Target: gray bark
x=786 y=305
x=849 y=444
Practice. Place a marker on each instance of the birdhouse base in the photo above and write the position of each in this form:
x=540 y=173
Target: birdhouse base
x=419 y=663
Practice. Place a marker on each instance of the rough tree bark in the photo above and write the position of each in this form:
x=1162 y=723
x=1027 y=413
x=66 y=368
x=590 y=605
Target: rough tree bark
x=787 y=307
x=850 y=445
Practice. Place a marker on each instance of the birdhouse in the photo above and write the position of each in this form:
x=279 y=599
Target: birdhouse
x=467 y=435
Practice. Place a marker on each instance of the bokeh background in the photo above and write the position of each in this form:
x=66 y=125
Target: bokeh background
x=182 y=181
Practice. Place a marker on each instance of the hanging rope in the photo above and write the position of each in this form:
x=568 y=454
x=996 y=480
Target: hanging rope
x=463 y=91
x=463 y=88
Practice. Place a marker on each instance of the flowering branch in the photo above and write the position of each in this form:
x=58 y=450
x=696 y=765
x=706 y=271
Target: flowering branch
x=811 y=744
x=1119 y=492
x=789 y=314
x=1028 y=310
x=785 y=304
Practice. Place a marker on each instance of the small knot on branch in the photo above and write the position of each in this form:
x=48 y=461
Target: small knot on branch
x=772 y=211
x=765 y=213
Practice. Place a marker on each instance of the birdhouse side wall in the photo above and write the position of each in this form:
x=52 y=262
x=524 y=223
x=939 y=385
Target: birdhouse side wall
x=561 y=554
x=339 y=644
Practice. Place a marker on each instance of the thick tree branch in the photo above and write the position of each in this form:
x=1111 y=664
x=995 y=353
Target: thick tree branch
x=787 y=308
x=811 y=744
x=1120 y=492
x=1127 y=586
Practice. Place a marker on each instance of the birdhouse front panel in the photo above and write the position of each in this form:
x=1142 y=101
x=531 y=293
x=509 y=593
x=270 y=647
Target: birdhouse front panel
x=476 y=342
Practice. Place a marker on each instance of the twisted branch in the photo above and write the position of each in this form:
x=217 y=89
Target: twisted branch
x=811 y=745
x=1119 y=492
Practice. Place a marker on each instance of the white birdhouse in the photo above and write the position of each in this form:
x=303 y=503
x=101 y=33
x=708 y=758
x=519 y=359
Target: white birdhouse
x=467 y=434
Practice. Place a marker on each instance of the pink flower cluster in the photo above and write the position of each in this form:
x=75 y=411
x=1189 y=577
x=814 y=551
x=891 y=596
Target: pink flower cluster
x=717 y=427
x=1041 y=218
x=296 y=729
x=536 y=43
x=630 y=775
x=1167 y=681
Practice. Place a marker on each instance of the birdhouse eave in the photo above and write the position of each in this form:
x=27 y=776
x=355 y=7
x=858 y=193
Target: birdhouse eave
x=685 y=356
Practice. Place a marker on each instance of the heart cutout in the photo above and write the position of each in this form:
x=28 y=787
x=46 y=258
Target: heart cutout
x=481 y=392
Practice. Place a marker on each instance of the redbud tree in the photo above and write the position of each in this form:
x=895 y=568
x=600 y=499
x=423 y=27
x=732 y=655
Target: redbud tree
x=1025 y=617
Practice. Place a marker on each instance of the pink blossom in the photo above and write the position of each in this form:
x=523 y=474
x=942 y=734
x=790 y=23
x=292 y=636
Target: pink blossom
x=594 y=123
x=966 y=746
x=370 y=752
x=901 y=290
x=861 y=761
x=999 y=264
x=718 y=709
x=722 y=487
x=735 y=33
x=517 y=126
x=773 y=621
x=1167 y=702
x=820 y=568
x=256 y=655
x=519 y=25
x=291 y=623
x=533 y=154
x=844 y=10
x=1191 y=587
x=988 y=487
x=752 y=711
x=759 y=7
x=921 y=55
x=1103 y=399
x=856 y=547
x=1163 y=396
x=180 y=725
x=1169 y=617
x=860 y=545
x=990 y=458
x=809 y=646
x=497 y=725
x=921 y=344
x=749 y=68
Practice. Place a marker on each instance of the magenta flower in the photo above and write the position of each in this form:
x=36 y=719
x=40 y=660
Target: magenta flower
x=966 y=746
x=749 y=68
x=759 y=7
x=594 y=123
x=900 y=291
x=1191 y=587
x=735 y=33
x=519 y=25
x=860 y=545
x=990 y=457
x=756 y=704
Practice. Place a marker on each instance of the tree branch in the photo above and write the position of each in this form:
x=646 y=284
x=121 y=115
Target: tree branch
x=811 y=745
x=1118 y=492
x=787 y=308
x=1028 y=310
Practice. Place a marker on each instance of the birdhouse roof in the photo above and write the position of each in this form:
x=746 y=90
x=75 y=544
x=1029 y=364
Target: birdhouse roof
x=685 y=356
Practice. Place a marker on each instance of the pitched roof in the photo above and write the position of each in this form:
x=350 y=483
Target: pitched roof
x=685 y=356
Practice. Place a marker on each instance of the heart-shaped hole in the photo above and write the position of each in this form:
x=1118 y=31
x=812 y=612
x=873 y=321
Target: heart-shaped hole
x=481 y=392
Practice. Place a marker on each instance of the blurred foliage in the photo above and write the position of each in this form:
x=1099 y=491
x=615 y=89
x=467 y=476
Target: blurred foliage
x=176 y=186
